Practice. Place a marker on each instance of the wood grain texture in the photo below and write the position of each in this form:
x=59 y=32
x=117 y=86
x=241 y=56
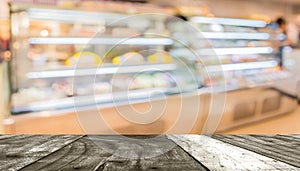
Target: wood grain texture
x=94 y=153
x=148 y=152
x=284 y=148
x=217 y=155
x=18 y=151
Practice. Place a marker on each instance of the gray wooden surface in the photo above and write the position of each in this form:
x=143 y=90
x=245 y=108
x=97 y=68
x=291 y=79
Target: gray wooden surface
x=18 y=151
x=113 y=152
x=284 y=148
x=217 y=155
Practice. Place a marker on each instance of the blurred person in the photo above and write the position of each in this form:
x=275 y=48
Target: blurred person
x=289 y=30
x=291 y=34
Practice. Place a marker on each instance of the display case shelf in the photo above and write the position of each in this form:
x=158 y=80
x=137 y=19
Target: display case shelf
x=228 y=21
x=101 y=71
x=101 y=41
x=251 y=81
x=71 y=15
x=224 y=51
x=240 y=66
x=83 y=101
x=235 y=35
x=236 y=51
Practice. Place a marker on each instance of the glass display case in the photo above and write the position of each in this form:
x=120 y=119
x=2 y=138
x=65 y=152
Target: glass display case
x=249 y=55
x=74 y=59
x=245 y=48
x=61 y=54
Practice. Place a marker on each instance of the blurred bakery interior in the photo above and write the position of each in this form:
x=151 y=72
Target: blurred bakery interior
x=149 y=66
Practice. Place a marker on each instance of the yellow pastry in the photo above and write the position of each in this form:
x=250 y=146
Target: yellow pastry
x=130 y=58
x=160 y=57
x=85 y=58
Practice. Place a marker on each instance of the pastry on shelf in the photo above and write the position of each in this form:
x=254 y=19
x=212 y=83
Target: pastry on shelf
x=160 y=57
x=121 y=82
x=102 y=87
x=29 y=95
x=84 y=59
x=141 y=81
x=130 y=58
x=160 y=80
x=62 y=89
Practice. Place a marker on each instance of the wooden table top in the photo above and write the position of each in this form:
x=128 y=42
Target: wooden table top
x=150 y=152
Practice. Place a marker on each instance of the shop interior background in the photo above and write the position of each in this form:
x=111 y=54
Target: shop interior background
x=262 y=96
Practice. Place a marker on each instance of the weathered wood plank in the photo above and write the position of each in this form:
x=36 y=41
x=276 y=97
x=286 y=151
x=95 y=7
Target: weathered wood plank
x=82 y=154
x=7 y=136
x=217 y=155
x=285 y=148
x=107 y=153
x=151 y=155
x=19 y=151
